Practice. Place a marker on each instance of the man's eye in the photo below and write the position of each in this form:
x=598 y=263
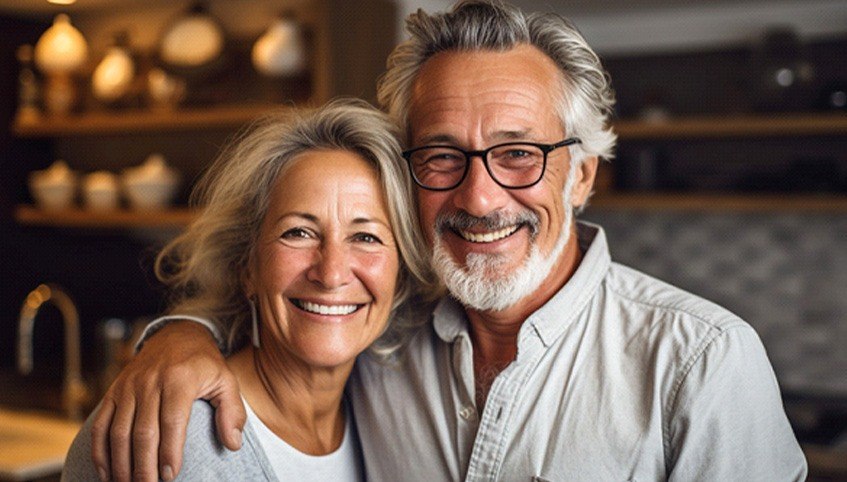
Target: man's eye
x=517 y=153
x=442 y=156
x=442 y=162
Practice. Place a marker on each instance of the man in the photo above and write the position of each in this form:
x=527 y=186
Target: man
x=547 y=361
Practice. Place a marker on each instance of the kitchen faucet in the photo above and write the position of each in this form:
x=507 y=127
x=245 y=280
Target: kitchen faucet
x=74 y=392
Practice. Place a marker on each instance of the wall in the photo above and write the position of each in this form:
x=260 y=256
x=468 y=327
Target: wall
x=613 y=27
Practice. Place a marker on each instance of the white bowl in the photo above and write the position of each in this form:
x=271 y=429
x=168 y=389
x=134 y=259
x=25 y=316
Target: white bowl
x=101 y=199
x=53 y=196
x=100 y=191
x=144 y=194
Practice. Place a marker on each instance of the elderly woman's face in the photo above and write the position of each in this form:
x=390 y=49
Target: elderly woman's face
x=325 y=266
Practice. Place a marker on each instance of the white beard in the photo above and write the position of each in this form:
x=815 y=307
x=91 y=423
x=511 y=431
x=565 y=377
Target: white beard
x=482 y=283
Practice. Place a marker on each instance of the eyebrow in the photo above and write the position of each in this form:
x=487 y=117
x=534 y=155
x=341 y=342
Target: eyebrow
x=497 y=135
x=314 y=219
x=298 y=214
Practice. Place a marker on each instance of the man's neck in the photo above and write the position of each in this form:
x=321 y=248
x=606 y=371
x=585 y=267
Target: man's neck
x=494 y=334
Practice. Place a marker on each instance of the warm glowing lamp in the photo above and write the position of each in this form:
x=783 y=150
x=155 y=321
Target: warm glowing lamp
x=280 y=51
x=59 y=53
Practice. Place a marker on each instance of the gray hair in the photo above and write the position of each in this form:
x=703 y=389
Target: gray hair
x=585 y=100
x=204 y=266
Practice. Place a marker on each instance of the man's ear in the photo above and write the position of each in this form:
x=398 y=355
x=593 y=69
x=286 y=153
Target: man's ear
x=585 y=174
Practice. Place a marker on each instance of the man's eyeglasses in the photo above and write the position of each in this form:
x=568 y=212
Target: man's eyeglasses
x=512 y=165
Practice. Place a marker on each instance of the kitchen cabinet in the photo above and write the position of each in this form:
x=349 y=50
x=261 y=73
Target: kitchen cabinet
x=692 y=137
x=347 y=45
x=761 y=129
x=147 y=122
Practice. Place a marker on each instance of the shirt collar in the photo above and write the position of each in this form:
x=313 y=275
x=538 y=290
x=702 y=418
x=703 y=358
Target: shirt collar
x=549 y=321
x=449 y=319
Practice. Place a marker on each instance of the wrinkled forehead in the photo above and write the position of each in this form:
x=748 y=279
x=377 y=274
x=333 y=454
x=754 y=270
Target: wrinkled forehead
x=493 y=94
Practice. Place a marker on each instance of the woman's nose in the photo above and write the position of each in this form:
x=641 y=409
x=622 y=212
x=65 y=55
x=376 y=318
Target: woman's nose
x=332 y=266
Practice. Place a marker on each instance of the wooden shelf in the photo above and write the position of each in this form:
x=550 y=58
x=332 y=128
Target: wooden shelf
x=720 y=202
x=140 y=120
x=144 y=120
x=121 y=218
x=181 y=217
x=734 y=126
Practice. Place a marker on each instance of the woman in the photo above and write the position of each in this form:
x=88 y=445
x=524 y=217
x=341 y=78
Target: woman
x=302 y=251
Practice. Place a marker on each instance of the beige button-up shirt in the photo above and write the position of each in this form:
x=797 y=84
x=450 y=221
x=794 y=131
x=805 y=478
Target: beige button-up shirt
x=618 y=377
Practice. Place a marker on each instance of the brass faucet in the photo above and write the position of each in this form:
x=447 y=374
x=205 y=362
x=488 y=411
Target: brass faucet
x=74 y=392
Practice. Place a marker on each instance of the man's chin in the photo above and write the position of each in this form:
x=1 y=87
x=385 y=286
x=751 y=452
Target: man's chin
x=491 y=267
x=485 y=281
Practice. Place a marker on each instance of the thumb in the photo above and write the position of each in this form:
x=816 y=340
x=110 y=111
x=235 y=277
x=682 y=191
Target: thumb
x=230 y=415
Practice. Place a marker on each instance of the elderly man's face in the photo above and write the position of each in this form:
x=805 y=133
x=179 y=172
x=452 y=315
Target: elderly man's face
x=474 y=100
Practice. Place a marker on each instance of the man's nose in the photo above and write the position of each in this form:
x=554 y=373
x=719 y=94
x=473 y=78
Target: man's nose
x=332 y=266
x=479 y=194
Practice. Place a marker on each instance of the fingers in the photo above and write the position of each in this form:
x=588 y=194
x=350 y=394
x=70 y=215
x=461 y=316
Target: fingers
x=176 y=409
x=230 y=415
x=145 y=438
x=120 y=441
x=176 y=366
x=100 y=437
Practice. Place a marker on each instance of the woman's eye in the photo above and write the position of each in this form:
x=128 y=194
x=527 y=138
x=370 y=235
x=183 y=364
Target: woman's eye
x=295 y=233
x=367 y=238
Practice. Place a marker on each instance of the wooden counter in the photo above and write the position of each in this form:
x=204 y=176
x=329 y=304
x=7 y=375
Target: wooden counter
x=33 y=445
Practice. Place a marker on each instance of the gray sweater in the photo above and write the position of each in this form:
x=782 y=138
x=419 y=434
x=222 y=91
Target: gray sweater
x=204 y=458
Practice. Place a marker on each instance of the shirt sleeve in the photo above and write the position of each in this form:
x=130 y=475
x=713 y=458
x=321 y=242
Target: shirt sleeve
x=159 y=323
x=727 y=421
x=78 y=464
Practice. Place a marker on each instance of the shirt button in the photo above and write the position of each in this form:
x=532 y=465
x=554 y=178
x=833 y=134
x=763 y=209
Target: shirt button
x=467 y=412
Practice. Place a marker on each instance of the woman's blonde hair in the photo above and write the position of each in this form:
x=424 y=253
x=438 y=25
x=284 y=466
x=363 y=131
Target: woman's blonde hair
x=204 y=266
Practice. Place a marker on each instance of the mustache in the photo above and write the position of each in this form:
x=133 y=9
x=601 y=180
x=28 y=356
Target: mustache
x=462 y=220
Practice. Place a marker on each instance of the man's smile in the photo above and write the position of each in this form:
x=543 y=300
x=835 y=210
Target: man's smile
x=490 y=236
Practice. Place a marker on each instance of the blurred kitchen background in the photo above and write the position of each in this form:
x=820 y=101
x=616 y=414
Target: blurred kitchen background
x=730 y=178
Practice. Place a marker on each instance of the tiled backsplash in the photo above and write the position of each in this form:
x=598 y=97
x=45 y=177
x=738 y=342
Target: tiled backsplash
x=785 y=274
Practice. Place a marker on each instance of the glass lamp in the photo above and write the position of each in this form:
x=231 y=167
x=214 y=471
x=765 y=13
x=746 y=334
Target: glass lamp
x=60 y=52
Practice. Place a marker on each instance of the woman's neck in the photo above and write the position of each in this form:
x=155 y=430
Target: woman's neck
x=301 y=404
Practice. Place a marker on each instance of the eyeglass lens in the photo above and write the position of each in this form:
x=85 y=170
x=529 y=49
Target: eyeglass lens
x=512 y=165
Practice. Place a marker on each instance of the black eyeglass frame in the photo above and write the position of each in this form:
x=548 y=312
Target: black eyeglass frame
x=483 y=154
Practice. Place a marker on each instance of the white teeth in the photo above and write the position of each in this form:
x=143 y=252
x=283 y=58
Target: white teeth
x=491 y=236
x=328 y=309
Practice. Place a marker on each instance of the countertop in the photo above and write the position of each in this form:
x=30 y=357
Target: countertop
x=33 y=445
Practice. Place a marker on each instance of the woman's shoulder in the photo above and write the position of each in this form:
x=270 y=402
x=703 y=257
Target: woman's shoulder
x=78 y=462
x=204 y=457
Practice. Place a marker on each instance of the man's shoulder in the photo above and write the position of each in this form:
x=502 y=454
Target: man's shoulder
x=636 y=291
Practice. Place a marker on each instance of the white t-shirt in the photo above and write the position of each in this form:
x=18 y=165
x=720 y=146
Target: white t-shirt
x=345 y=464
